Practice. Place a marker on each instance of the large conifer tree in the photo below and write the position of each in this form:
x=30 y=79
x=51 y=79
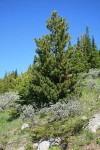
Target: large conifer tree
x=51 y=80
x=51 y=48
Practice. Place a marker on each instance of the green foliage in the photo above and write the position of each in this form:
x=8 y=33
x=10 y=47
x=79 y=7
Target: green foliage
x=88 y=48
x=29 y=147
x=51 y=49
x=8 y=130
x=13 y=114
x=8 y=82
x=98 y=141
x=63 y=128
x=76 y=61
x=52 y=77
x=54 y=148
x=89 y=137
x=22 y=83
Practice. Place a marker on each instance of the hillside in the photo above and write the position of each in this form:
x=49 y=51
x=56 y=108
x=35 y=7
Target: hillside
x=67 y=121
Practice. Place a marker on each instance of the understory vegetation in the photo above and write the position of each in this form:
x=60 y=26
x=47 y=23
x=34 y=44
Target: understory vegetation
x=55 y=94
x=63 y=119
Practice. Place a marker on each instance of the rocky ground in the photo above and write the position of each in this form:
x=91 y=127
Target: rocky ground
x=70 y=127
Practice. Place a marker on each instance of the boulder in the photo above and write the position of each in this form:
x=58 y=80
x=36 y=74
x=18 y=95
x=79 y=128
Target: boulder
x=94 y=123
x=43 y=145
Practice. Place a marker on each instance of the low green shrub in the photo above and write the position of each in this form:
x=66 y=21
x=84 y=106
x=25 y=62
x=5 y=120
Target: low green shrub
x=98 y=141
x=89 y=136
x=62 y=128
x=54 y=148
x=13 y=115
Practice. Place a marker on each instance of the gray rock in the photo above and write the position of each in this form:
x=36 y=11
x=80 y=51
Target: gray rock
x=55 y=142
x=94 y=123
x=24 y=126
x=43 y=145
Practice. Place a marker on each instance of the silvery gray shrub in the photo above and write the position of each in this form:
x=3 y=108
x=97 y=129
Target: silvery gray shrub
x=27 y=112
x=60 y=110
x=92 y=85
x=95 y=73
x=8 y=98
x=89 y=78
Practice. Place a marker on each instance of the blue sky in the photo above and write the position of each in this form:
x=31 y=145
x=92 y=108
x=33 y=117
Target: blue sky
x=23 y=20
